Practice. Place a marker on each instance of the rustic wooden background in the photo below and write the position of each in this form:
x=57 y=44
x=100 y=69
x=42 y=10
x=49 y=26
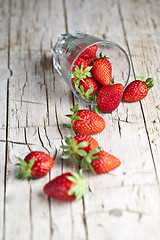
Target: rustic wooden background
x=121 y=205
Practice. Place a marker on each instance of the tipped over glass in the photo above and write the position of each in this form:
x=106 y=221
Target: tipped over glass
x=69 y=47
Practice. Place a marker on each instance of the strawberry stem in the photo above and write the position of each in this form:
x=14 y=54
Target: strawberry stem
x=149 y=83
x=112 y=81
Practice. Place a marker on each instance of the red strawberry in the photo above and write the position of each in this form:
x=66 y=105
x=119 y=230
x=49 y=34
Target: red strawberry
x=89 y=60
x=102 y=70
x=138 y=89
x=89 y=52
x=66 y=187
x=35 y=165
x=100 y=161
x=109 y=97
x=79 y=61
x=80 y=71
x=78 y=147
x=85 y=121
x=87 y=87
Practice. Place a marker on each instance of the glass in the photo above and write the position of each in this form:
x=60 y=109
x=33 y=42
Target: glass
x=70 y=46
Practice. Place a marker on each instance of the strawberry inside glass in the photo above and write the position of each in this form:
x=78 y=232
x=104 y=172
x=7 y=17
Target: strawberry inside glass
x=87 y=63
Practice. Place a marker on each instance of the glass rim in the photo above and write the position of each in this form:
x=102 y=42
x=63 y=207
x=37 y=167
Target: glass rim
x=98 y=42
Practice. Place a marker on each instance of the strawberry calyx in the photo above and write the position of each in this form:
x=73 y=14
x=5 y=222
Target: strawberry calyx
x=73 y=149
x=100 y=57
x=73 y=117
x=80 y=73
x=80 y=185
x=82 y=93
x=87 y=160
x=149 y=81
x=25 y=171
x=103 y=57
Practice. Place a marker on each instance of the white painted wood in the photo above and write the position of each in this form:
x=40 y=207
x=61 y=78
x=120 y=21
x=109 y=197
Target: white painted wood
x=123 y=204
x=125 y=136
x=4 y=75
x=145 y=50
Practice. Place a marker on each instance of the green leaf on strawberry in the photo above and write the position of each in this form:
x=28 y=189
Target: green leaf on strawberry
x=68 y=186
x=79 y=121
x=25 y=171
x=82 y=93
x=86 y=161
x=80 y=73
x=73 y=149
x=73 y=117
x=149 y=81
x=79 y=189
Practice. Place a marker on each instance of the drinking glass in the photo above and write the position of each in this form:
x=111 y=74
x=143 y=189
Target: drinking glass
x=69 y=47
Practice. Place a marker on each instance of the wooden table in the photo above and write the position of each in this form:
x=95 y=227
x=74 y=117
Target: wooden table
x=121 y=205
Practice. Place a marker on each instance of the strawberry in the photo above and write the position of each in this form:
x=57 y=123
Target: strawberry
x=100 y=161
x=109 y=97
x=35 y=165
x=79 y=61
x=90 y=59
x=85 y=121
x=101 y=70
x=87 y=87
x=89 y=52
x=138 y=89
x=66 y=187
x=80 y=70
x=78 y=147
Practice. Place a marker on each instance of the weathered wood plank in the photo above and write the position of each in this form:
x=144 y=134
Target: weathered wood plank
x=4 y=75
x=127 y=198
x=144 y=49
x=33 y=106
x=39 y=99
x=125 y=136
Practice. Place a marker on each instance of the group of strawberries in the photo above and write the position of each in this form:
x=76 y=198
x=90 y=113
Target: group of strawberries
x=84 y=150
x=91 y=75
x=92 y=78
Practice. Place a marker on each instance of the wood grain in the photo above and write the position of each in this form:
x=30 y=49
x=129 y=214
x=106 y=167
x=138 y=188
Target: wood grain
x=34 y=99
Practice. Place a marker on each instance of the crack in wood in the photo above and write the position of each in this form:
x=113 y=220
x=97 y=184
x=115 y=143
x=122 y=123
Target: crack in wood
x=30 y=212
x=150 y=146
x=65 y=16
x=42 y=141
x=125 y=36
x=45 y=130
x=47 y=102
x=119 y=127
x=7 y=122
x=28 y=102
x=85 y=218
x=58 y=127
x=50 y=219
x=20 y=143
x=25 y=137
x=72 y=223
x=144 y=119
